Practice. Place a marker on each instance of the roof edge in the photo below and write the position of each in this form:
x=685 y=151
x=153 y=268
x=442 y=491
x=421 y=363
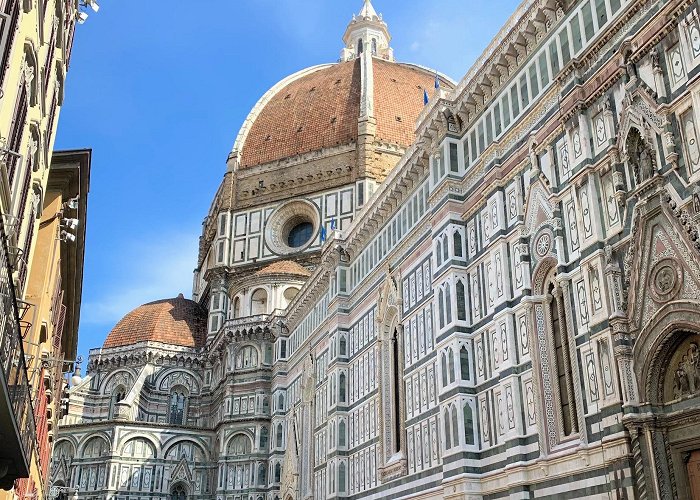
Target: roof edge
x=262 y=102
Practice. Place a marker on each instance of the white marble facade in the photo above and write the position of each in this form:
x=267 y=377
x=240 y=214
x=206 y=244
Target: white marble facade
x=514 y=314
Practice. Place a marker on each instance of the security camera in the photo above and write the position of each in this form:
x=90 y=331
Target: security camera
x=73 y=203
x=70 y=223
x=66 y=236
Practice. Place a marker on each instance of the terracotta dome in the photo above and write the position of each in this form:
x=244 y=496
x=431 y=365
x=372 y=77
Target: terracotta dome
x=319 y=107
x=284 y=267
x=177 y=321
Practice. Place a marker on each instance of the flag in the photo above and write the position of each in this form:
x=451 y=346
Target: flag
x=425 y=97
x=437 y=81
x=323 y=234
x=333 y=224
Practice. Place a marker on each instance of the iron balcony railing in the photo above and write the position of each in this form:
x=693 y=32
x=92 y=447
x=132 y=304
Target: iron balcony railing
x=12 y=361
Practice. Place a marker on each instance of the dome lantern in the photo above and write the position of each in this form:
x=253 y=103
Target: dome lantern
x=367 y=32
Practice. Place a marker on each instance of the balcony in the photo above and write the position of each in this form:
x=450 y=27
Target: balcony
x=17 y=425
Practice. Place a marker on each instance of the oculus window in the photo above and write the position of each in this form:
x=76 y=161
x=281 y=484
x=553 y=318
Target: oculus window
x=300 y=234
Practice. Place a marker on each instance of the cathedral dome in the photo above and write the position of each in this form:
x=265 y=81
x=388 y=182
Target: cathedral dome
x=177 y=321
x=320 y=107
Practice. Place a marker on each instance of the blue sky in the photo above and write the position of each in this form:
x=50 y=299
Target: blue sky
x=159 y=90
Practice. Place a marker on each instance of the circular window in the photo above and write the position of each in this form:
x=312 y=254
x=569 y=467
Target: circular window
x=300 y=234
x=291 y=228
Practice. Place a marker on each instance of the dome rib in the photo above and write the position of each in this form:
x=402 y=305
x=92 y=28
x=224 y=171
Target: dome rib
x=320 y=108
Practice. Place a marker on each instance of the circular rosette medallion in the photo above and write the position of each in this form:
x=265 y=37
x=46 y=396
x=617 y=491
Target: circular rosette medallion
x=543 y=243
x=665 y=280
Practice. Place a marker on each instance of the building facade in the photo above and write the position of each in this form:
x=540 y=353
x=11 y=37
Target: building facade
x=40 y=258
x=495 y=295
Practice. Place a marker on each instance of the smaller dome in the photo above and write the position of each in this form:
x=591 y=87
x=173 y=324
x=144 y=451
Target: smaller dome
x=284 y=267
x=177 y=321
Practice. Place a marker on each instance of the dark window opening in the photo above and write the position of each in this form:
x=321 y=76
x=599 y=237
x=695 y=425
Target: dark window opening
x=464 y=363
x=177 y=408
x=300 y=234
x=178 y=493
x=397 y=386
x=563 y=367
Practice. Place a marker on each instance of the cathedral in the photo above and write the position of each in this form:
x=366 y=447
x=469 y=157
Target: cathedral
x=409 y=287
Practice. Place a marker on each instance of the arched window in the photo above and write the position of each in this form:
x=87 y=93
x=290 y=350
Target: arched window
x=445 y=250
x=441 y=307
x=264 y=438
x=448 y=304
x=332 y=477
x=236 y=311
x=455 y=427
x=279 y=436
x=178 y=492
x=396 y=392
x=138 y=448
x=468 y=424
x=289 y=295
x=341 y=477
x=96 y=447
x=178 y=399
x=360 y=47
x=341 y=433
x=562 y=360
x=280 y=402
x=457 y=243
x=461 y=301
x=451 y=364
x=464 y=362
x=444 y=369
x=239 y=445
x=261 y=475
x=446 y=421
x=258 y=302
x=343 y=345
x=278 y=472
x=341 y=388
x=247 y=358
x=438 y=252
x=118 y=395
x=63 y=449
x=374 y=51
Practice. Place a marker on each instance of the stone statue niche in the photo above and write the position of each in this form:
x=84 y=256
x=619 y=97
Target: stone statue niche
x=683 y=376
x=640 y=156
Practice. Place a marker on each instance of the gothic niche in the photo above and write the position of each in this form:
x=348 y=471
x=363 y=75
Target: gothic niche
x=640 y=156
x=683 y=376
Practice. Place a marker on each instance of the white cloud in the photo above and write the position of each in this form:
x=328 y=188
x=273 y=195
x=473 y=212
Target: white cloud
x=144 y=272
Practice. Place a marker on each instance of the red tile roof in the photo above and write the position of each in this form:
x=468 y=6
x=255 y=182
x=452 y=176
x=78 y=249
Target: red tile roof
x=315 y=111
x=322 y=108
x=398 y=99
x=284 y=267
x=177 y=321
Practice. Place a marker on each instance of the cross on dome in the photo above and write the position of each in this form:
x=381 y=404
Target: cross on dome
x=367 y=32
